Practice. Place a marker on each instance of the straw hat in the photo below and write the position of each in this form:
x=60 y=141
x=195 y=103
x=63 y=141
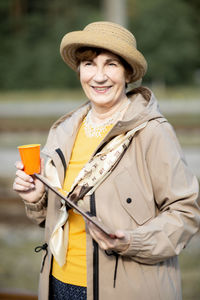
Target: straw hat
x=109 y=36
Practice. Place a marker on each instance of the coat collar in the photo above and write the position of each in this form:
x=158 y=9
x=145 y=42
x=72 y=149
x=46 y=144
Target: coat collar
x=63 y=132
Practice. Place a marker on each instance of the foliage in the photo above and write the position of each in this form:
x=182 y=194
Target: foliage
x=168 y=38
x=31 y=31
x=31 y=35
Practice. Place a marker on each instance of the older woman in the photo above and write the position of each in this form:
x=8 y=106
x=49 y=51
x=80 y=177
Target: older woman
x=122 y=148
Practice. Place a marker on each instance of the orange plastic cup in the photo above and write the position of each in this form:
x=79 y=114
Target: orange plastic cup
x=30 y=157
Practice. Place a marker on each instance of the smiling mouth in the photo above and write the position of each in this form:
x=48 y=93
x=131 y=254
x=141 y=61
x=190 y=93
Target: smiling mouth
x=101 y=89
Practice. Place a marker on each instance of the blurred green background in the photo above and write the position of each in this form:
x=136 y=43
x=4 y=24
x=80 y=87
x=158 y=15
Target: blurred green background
x=36 y=87
x=167 y=32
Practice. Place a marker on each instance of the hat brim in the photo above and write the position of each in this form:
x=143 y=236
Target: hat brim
x=76 y=39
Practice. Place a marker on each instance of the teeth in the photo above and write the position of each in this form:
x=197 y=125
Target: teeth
x=101 y=88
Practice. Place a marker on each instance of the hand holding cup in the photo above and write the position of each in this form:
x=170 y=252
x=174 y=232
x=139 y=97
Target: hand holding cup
x=30 y=157
x=28 y=187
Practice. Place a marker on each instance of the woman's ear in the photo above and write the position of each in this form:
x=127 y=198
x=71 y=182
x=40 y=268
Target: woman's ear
x=128 y=78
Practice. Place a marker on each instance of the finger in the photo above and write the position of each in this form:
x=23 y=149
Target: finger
x=122 y=237
x=96 y=232
x=104 y=241
x=21 y=174
x=19 y=165
x=119 y=234
x=25 y=184
x=92 y=229
x=91 y=232
x=20 y=188
x=95 y=229
x=102 y=244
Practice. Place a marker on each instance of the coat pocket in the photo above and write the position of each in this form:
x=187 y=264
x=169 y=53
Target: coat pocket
x=132 y=201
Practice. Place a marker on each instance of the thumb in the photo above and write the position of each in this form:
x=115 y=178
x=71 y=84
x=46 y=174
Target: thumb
x=19 y=165
x=119 y=234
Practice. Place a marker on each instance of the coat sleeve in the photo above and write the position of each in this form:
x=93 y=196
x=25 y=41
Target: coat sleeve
x=175 y=193
x=37 y=211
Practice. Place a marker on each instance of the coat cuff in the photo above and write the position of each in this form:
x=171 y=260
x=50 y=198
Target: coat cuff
x=39 y=205
x=134 y=246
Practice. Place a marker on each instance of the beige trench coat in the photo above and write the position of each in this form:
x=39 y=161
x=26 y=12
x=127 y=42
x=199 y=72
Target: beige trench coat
x=151 y=193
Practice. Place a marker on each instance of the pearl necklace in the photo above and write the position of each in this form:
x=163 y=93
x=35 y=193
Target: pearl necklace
x=93 y=129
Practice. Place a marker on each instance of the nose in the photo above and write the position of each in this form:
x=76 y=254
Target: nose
x=100 y=75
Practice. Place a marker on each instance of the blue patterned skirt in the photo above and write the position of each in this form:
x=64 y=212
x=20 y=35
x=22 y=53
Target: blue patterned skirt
x=63 y=291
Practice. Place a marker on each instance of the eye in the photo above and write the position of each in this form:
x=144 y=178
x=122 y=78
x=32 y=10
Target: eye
x=113 y=64
x=87 y=63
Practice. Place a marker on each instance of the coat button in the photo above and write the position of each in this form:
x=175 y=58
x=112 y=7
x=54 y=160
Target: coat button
x=128 y=200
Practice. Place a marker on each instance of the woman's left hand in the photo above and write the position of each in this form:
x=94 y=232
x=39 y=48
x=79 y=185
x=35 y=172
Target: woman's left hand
x=118 y=244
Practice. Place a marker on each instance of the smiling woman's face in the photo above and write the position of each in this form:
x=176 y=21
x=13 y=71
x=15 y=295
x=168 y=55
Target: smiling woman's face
x=103 y=79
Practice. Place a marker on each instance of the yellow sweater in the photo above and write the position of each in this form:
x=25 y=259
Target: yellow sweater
x=74 y=271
